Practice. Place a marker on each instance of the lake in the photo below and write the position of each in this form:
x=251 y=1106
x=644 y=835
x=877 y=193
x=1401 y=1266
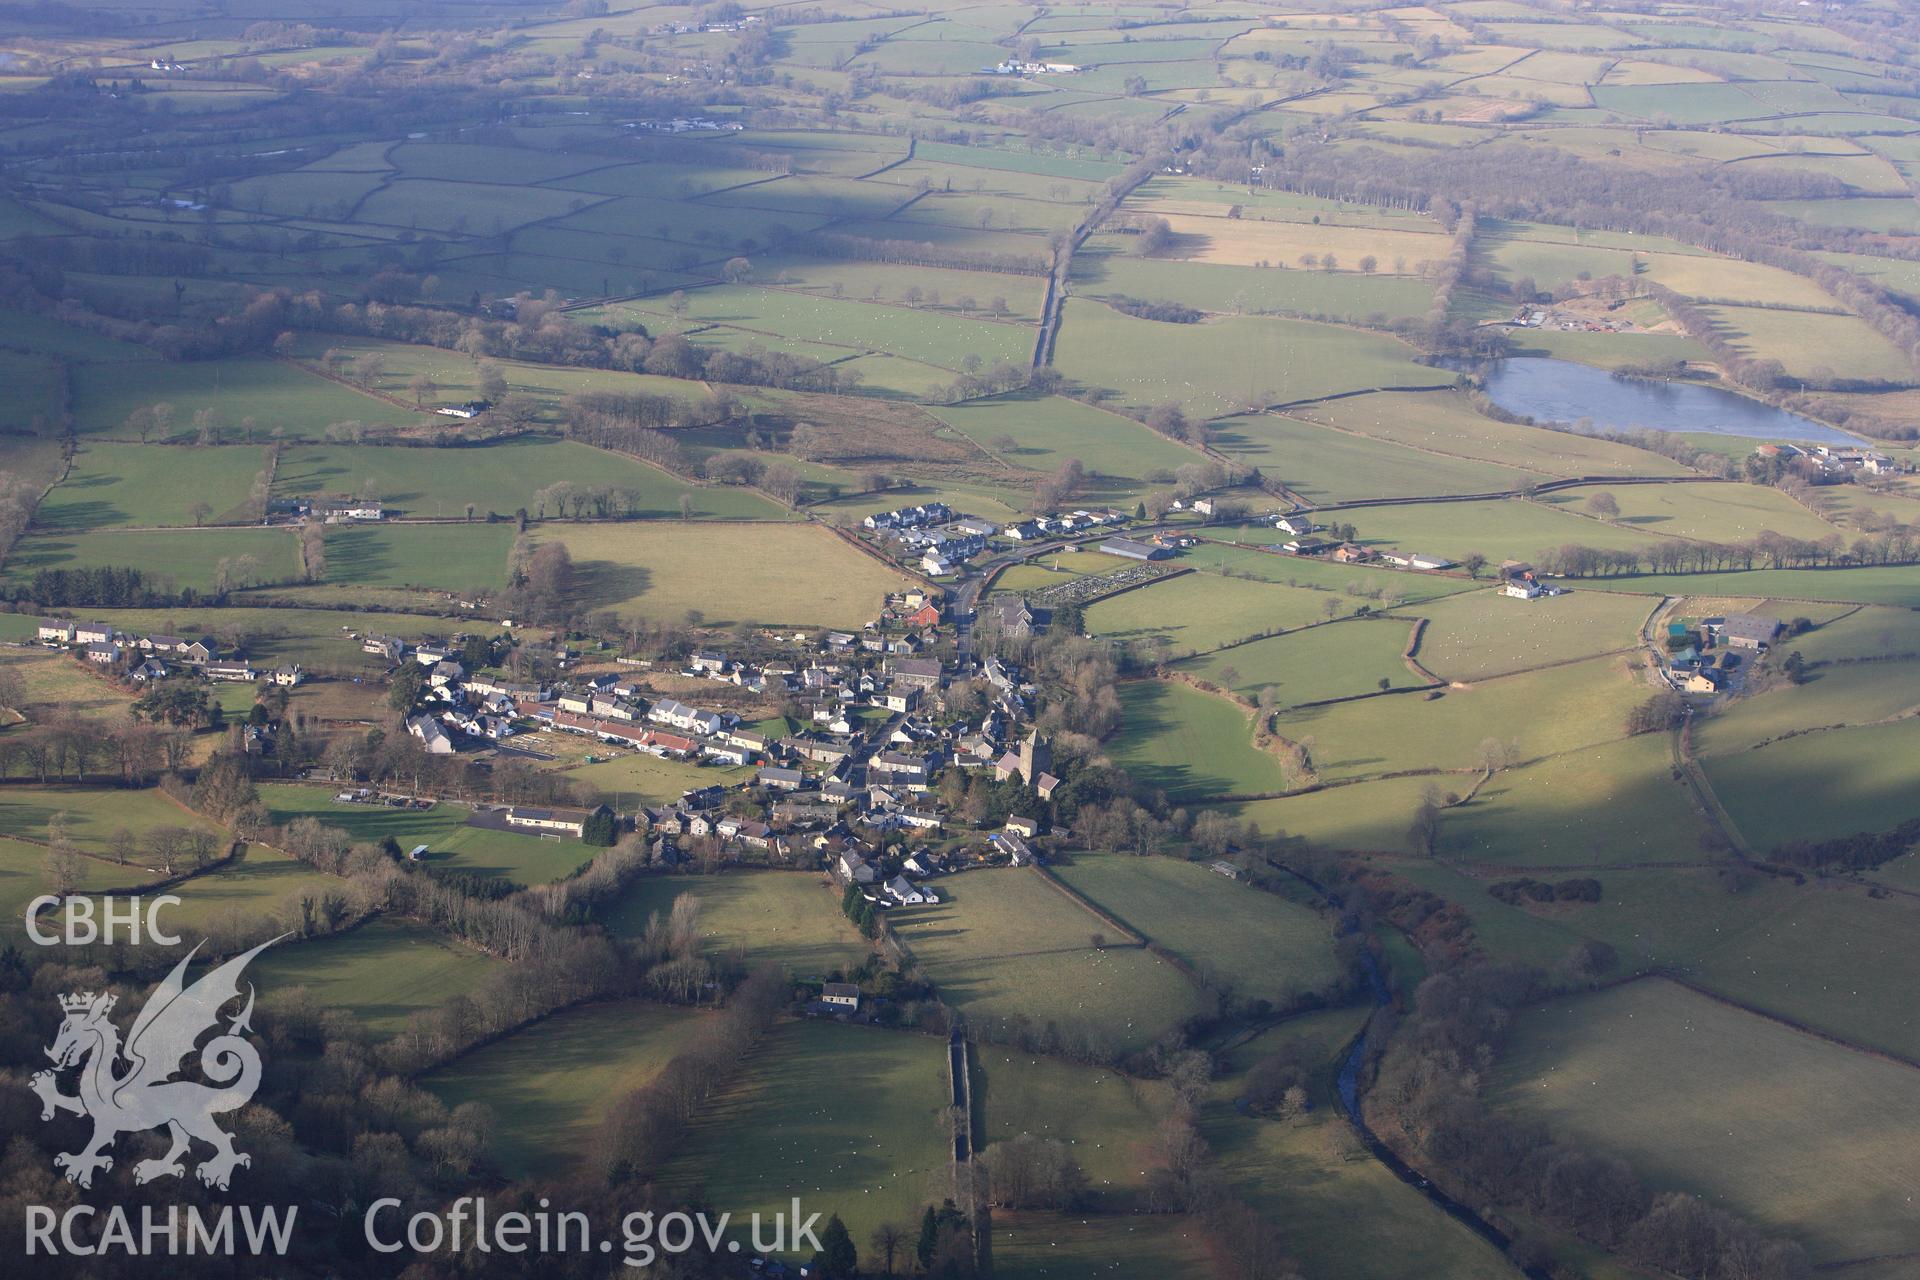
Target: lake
x=1548 y=390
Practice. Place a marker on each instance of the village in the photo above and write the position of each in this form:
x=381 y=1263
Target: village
x=854 y=787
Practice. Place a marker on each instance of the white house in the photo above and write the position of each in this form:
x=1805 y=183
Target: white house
x=431 y=735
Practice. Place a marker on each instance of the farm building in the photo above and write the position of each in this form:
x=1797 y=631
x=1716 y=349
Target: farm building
x=1132 y=549
x=1748 y=631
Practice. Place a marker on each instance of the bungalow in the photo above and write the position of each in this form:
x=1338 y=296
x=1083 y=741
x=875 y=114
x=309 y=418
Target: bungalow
x=841 y=995
x=566 y=822
x=908 y=894
x=1022 y=532
x=232 y=672
x=977 y=527
x=1298 y=526
x=1130 y=549
x=1415 y=560
x=920 y=821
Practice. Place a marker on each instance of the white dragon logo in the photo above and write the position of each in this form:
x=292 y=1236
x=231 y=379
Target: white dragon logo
x=144 y=1096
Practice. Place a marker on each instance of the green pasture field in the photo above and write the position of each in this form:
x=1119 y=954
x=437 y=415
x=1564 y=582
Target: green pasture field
x=1446 y=424
x=1255 y=942
x=29 y=331
x=1033 y=1245
x=981 y=181
x=1860 y=633
x=483 y=208
x=458 y=378
x=1305 y=1176
x=183 y=557
x=442 y=557
x=1339 y=661
x=498 y=478
x=933 y=337
x=1854 y=694
x=1224 y=366
x=1820 y=786
x=1105 y=269
x=552 y=1085
x=1618 y=802
x=33 y=393
x=1190 y=744
x=1695 y=1095
x=1564 y=709
x=93 y=815
x=858 y=280
x=871 y=1154
x=1836 y=960
x=233 y=902
x=1896 y=216
x=323 y=193
x=1015 y=160
x=635 y=777
x=986 y=211
x=1324 y=465
x=776 y=573
x=714 y=232
x=274 y=393
x=1500 y=529
x=1379 y=585
x=1206 y=233
x=839 y=197
x=1110 y=1120
x=129 y=484
x=655 y=178
x=1052 y=429
x=1199 y=612
x=1896 y=586
x=1709 y=512
x=1488 y=633
x=317 y=639
x=381 y=973
x=787 y=918
x=460 y=162
x=23 y=877
x=1366 y=816
x=1858 y=508
x=1814 y=345
x=1005 y=944
x=524 y=859
x=58 y=682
